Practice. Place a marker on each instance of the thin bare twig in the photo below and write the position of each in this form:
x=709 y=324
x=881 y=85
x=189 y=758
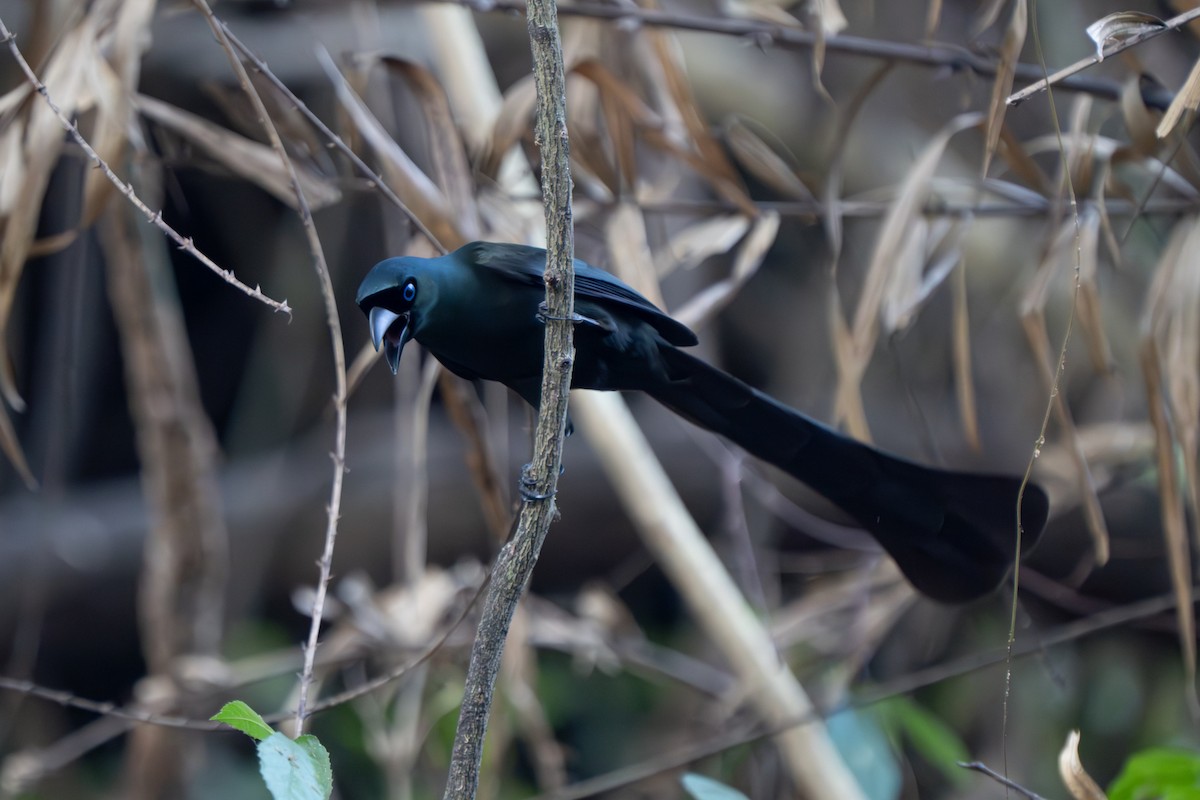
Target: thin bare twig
x=656 y=765
x=333 y=511
x=979 y=766
x=517 y=558
x=377 y=182
x=1060 y=78
x=769 y=34
x=155 y=217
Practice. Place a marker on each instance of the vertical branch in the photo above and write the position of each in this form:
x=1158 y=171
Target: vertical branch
x=518 y=557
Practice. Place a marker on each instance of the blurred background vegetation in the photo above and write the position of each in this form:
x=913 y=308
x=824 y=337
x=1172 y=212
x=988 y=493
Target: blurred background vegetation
x=797 y=181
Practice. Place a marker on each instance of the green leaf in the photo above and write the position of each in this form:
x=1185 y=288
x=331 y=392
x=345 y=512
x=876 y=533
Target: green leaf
x=933 y=740
x=320 y=758
x=702 y=788
x=295 y=770
x=1158 y=773
x=238 y=715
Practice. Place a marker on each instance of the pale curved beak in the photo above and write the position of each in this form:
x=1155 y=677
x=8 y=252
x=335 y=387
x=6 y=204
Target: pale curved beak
x=382 y=322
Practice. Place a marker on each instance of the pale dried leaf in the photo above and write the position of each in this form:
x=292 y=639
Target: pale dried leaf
x=446 y=143
x=706 y=304
x=251 y=160
x=693 y=244
x=1089 y=290
x=1022 y=163
x=762 y=161
x=933 y=18
x=1074 y=776
x=762 y=10
x=12 y=166
x=1119 y=26
x=1140 y=121
x=1185 y=102
x=831 y=192
x=405 y=178
x=707 y=155
x=10 y=100
x=902 y=216
x=1171 y=365
x=988 y=16
x=1033 y=319
x=964 y=386
x=1174 y=521
x=1010 y=53
x=513 y=121
x=929 y=253
x=114 y=81
x=632 y=261
x=12 y=449
x=64 y=78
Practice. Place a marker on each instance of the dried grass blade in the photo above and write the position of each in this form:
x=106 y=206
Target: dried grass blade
x=1033 y=320
x=762 y=161
x=446 y=142
x=629 y=246
x=964 y=386
x=1079 y=783
x=624 y=112
x=692 y=245
x=251 y=160
x=513 y=121
x=1089 y=290
x=831 y=192
x=709 y=158
x=1171 y=502
x=1006 y=70
x=933 y=18
x=404 y=177
x=43 y=143
x=12 y=449
x=708 y=303
x=1185 y=102
x=1171 y=329
x=894 y=237
x=1022 y=163
x=1034 y=323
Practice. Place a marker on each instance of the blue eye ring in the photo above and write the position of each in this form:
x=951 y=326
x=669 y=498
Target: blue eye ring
x=410 y=290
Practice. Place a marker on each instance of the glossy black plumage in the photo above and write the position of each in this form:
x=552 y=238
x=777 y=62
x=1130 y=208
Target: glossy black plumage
x=476 y=309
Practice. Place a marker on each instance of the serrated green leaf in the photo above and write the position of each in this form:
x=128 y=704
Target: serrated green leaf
x=242 y=717
x=702 y=788
x=1158 y=773
x=291 y=772
x=320 y=758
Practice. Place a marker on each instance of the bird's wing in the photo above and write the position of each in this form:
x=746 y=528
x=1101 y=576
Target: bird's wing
x=527 y=264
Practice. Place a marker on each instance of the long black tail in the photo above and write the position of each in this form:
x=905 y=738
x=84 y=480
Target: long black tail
x=953 y=535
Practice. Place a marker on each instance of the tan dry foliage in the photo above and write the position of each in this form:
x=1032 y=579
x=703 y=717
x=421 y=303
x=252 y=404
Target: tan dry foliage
x=1170 y=355
x=1062 y=251
x=1079 y=783
x=93 y=66
x=888 y=279
x=1010 y=53
x=250 y=160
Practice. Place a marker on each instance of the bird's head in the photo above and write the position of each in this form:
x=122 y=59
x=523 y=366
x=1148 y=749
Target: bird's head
x=395 y=296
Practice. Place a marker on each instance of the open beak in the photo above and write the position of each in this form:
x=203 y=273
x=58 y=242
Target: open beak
x=390 y=330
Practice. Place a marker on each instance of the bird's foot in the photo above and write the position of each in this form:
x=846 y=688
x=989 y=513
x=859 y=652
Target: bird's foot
x=526 y=486
x=543 y=314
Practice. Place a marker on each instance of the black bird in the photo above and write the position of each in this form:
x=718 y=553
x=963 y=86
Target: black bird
x=477 y=310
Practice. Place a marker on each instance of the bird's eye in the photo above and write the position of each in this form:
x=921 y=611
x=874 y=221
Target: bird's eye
x=410 y=290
